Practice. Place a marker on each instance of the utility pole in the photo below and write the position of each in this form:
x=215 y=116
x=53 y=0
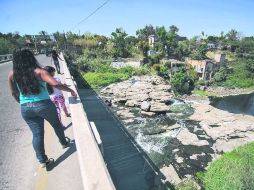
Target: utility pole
x=35 y=46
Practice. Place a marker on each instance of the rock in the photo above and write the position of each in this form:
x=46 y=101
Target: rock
x=128 y=121
x=159 y=107
x=153 y=130
x=162 y=87
x=145 y=106
x=188 y=138
x=160 y=96
x=172 y=127
x=171 y=175
x=223 y=145
x=131 y=103
x=178 y=159
x=219 y=124
x=120 y=100
x=175 y=150
x=203 y=88
x=150 y=114
x=125 y=114
x=108 y=102
x=140 y=97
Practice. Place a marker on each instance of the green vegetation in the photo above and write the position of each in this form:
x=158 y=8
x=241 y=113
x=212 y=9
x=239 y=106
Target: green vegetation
x=99 y=79
x=188 y=184
x=96 y=52
x=181 y=82
x=98 y=71
x=5 y=46
x=241 y=75
x=96 y=80
x=233 y=170
x=203 y=93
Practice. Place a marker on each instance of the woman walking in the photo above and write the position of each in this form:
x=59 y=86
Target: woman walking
x=55 y=58
x=27 y=82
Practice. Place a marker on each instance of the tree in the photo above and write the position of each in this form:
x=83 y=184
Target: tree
x=145 y=32
x=232 y=38
x=5 y=46
x=232 y=35
x=44 y=34
x=180 y=82
x=120 y=47
x=60 y=38
x=221 y=75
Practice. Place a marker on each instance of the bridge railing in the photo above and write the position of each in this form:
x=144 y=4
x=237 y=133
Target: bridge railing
x=94 y=173
x=4 y=58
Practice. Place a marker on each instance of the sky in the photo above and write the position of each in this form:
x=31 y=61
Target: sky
x=190 y=16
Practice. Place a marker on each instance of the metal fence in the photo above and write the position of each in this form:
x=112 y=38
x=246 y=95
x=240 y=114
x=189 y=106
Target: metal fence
x=4 y=58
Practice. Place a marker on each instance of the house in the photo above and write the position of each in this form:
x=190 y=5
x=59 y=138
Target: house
x=123 y=62
x=220 y=58
x=205 y=68
x=151 y=40
x=211 y=46
x=151 y=52
x=175 y=65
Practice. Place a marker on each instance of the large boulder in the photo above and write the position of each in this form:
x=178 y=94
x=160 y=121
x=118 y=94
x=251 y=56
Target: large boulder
x=145 y=106
x=125 y=114
x=132 y=103
x=188 y=138
x=160 y=96
x=159 y=107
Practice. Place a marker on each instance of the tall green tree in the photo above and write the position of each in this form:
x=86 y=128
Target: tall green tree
x=120 y=47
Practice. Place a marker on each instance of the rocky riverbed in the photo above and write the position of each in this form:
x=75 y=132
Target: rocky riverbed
x=181 y=138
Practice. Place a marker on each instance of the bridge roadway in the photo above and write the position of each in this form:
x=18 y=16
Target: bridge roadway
x=19 y=169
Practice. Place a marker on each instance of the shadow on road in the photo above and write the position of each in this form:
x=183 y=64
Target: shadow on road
x=70 y=150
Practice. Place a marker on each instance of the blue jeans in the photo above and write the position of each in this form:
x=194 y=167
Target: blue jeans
x=34 y=114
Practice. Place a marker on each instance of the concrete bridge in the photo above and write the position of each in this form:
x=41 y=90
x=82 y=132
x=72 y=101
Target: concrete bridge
x=102 y=155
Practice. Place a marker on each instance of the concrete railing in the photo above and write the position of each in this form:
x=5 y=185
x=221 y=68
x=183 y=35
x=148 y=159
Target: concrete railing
x=94 y=173
x=4 y=58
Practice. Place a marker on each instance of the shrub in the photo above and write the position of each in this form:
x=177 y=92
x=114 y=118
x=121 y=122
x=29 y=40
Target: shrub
x=180 y=82
x=233 y=170
x=96 y=80
x=221 y=75
x=102 y=77
x=188 y=184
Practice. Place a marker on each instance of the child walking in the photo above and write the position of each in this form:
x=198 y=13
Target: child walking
x=56 y=95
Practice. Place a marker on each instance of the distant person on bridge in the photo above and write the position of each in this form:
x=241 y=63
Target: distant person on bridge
x=56 y=95
x=27 y=82
x=55 y=58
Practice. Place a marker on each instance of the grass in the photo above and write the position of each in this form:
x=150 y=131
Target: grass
x=203 y=93
x=95 y=79
x=101 y=78
x=232 y=171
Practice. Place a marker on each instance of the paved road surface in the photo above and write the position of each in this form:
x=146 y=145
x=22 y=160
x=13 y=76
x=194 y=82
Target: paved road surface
x=15 y=141
x=18 y=166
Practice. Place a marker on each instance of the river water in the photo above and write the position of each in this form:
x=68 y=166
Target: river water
x=157 y=135
x=240 y=104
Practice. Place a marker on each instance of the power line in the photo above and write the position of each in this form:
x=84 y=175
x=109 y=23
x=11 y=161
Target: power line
x=91 y=14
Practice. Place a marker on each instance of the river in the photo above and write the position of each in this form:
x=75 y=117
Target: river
x=240 y=104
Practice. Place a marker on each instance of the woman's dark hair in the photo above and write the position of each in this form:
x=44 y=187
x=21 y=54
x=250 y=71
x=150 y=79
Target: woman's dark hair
x=54 y=53
x=24 y=64
x=50 y=70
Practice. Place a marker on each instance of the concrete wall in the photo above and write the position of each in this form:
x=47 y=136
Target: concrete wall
x=94 y=172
